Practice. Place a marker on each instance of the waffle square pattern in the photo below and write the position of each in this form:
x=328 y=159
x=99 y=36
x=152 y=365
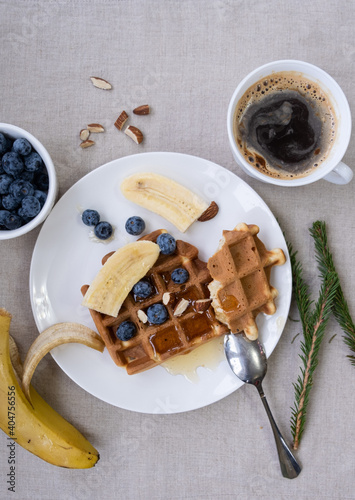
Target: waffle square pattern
x=241 y=288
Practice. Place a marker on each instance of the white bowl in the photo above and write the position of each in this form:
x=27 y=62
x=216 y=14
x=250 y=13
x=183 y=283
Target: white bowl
x=15 y=133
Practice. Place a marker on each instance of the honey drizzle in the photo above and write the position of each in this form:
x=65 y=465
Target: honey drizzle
x=229 y=303
x=208 y=356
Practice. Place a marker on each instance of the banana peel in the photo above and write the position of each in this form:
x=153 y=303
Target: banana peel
x=38 y=427
x=54 y=336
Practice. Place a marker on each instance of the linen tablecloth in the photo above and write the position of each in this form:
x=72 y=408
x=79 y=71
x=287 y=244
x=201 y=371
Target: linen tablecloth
x=184 y=58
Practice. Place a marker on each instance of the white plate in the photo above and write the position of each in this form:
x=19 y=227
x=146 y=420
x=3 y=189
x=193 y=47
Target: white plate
x=66 y=257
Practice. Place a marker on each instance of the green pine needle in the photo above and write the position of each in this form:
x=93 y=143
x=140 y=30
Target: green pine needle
x=314 y=322
x=340 y=306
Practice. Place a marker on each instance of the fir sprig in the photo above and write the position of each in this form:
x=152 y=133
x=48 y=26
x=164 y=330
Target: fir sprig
x=313 y=324
x=340 y=305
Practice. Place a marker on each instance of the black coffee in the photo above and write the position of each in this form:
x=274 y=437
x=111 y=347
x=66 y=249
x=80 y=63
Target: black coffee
x=284 y=125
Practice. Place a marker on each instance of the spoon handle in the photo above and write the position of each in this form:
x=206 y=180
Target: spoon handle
x=289 y=466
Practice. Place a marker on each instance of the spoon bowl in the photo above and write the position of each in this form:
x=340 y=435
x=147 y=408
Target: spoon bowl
x=246 y=358
x=248 y=362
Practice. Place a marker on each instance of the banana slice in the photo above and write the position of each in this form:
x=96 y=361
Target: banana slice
x=165 y=197
x=117 y=276
x=54 y=336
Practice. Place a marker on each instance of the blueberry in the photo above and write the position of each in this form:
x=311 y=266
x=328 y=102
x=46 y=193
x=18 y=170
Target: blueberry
x=12 y=163
x=9 y=202
x=30 y=207
x=135 y=225
x=3 y=144
x=24 y=182
x=5 y=181
x=90 y=217
x=13 y=221
x=180 y=275
x=33 y=162
x=20 y=188
x=167 y=243
x=41 y=196
x=126 y=330
x=4 y=214
x=157 y=314
x=42 y=181
x=103 y=230
x=143 y=289
x=22 y=147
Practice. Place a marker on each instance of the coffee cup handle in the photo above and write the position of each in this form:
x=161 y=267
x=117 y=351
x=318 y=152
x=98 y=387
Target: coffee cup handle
x=341 y=174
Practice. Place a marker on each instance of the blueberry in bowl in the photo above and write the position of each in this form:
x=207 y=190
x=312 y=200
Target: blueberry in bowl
x=30 y=207
x=12 y=163
x=22 y=147
x=33 y=162
x=28 y=182
x=5 y=181
x=9 y=220
x=20 y=188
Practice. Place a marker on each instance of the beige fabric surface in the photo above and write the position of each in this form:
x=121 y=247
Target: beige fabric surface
x=185 y=59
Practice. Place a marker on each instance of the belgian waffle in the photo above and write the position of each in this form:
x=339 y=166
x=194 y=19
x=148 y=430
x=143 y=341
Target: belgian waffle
x=154 y=344
x=241 y=288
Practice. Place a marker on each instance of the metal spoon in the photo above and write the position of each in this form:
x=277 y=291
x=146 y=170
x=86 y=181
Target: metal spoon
x=247 y=360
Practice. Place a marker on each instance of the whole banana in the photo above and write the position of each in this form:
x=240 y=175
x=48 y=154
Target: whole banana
x=37 y=427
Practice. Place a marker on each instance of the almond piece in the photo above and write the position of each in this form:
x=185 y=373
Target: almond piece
x=134 y=133
x=100 y=83
x=84 y=134
x=209 y=213
x=202 y=305
x=142 y=110
x=87 y=144
x=96 y=128
x=142 y=316
x=168 y=298
x=181 y=307
x=121 y=120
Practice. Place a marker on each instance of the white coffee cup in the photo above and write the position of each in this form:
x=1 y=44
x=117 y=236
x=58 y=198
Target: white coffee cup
x=332 y=168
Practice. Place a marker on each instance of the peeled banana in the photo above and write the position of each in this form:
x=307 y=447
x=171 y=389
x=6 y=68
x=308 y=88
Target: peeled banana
x=117 y=276
x=54 y=336
x=37 y=427
x=165 y=197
